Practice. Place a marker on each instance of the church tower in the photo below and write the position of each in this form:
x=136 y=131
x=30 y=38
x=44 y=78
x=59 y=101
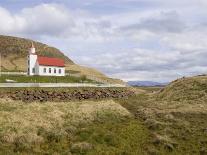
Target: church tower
x=32 y=49
x=31 y=61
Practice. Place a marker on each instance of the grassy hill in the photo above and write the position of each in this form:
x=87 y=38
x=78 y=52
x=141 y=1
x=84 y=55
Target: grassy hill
x=186 y=89
x=175 y=115
x=154 y=121
x=79 y=128
x=14 y=50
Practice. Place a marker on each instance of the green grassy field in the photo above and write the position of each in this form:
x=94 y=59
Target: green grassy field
x=44 y=79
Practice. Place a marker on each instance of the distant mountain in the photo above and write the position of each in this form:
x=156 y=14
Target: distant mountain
x=145 y=83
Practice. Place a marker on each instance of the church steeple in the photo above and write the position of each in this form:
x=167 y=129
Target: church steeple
x=32 y=49
x=32 y=45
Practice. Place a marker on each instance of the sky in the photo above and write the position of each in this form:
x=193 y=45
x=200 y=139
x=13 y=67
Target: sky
x=154 y=40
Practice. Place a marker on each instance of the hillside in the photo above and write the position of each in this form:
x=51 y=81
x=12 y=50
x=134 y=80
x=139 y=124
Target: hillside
x=154 y=121
x=73 y=126
x=175 y=115
x=186 y=89
x=14 y=50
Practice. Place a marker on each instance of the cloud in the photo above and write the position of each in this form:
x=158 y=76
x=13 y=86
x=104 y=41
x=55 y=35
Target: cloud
x=160 y=41
x=10 y=23
x=49 y=19
x=151 y=65
x=53 y=20
x=163 y=22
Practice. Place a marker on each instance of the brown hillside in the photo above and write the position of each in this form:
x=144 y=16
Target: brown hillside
x=14 y=50
x=186 y=89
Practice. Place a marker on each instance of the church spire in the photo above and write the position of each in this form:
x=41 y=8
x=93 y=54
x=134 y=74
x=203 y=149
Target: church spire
x=32 y=46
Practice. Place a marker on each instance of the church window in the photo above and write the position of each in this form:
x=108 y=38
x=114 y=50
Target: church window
x=49 y=70
x=45 y=70
x=33 y=70
x=59 y=71
x=54 y=70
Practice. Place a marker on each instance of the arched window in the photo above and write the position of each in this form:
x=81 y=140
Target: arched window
x=54 y=70
x=49 y=70
x=59 y=71
x=45 y=70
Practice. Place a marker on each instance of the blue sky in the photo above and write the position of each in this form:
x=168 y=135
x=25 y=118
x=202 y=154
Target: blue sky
x=155 y=40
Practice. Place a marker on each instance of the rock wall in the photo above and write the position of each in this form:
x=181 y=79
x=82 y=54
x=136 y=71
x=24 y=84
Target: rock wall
x=61 y=96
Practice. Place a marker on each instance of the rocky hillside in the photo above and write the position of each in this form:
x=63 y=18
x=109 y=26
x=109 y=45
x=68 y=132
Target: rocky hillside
x=14 y=50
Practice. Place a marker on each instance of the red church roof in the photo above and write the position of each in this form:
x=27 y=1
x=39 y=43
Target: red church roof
x=46 y=61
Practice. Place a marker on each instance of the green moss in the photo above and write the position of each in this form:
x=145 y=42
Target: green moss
x=126 y=137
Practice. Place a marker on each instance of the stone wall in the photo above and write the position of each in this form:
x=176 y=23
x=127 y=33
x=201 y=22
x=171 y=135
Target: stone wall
x=42 y=95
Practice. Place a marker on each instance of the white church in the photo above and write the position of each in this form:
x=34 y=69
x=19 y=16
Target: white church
x=44 y=66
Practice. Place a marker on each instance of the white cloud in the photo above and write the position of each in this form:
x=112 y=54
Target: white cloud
x=49 y=19
x=54 y=20
x=160 y=43
x=10 y=23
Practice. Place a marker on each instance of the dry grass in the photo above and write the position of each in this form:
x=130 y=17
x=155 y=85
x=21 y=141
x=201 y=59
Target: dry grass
x=7 y=64
x=21 y=64
x=85 y=70
x=176 y=115
x=12 y=63
x=192 y=89
x=20 y=121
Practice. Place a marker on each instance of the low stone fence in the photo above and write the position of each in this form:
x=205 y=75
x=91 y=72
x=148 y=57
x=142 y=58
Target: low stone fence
x=42 y=95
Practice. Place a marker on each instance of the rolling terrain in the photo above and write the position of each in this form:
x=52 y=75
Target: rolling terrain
x=14 y=51
x=168 y=120
x=152 y=121
x=175 y=115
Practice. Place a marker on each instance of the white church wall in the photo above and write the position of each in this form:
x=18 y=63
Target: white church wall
x=32 y=59
x=52 y=73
